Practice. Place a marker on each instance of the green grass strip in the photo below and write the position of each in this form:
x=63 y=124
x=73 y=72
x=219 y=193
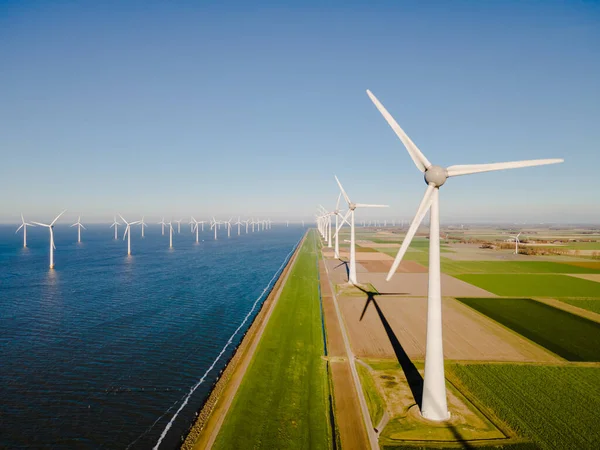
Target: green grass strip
x=282 y=401
x=554 y=406
x=572 y=337
x=374 y=401
x=591 y=304
x=517 y=267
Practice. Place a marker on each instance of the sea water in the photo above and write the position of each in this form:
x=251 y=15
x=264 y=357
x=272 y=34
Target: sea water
x=102 y=351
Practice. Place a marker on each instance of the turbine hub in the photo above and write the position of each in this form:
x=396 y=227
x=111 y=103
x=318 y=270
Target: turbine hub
x=436 y=175
x=352 y=206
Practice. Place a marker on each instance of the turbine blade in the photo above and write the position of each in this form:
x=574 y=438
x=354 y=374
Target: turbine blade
x=22 y=225
x=83 y=226
x=122 y=218
x=22 y=218
x=337 y=204
x=344 y=219
x=41 y=224
x=343 y=191
x=421 y=211
x=454 y=171
x=126 y=231
x=365 y=205
x=418 y=158
x=54 y=221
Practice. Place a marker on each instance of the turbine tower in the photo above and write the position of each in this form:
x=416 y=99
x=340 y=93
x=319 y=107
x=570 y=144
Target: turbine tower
x=79 y=226
x=434 y=404
x=517 y=242
x=116 y=225
x=178 y=225
x=239 y=224
x=196 y=227
x=163 y=223
x=351 y=207
x=24 y=225
x=170 y=233
x=128 y=232
x=50 y=228
x=214 y=224
x=143 y=224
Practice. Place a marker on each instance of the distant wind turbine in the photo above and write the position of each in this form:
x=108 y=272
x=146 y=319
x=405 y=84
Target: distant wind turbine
x=351 y=207
x=143 y=224
x=24 y=225
x=50 y=228
x=196 y=227
x=128 y=232
x=162 y=223
x=239 y=224
x=214 y=224
x=178 y=225
x=116 y=225
x=79 y=226
x=517 y=242
x=434 y=404
x=170 y=233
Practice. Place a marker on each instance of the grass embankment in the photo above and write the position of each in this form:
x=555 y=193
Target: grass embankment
x=282 y=400
x=554 y=406
x=374 y=401
x=569 y=336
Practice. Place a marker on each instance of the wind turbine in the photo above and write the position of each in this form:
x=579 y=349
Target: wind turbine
x=170 y=233
x=196 y=227
x=434 y=404
x=24 y=225
x=50 y=228
x=143 y=224
x=228 y=224
x=163 y=223
x=178 y=225
x=517 y=242
x=247 y=221
x=239 y=224
x=192 y=224
x=79 y=226
x=351 y=207
x=336 y=212
x=128 y=232
x=214 y=224
x=116 y=225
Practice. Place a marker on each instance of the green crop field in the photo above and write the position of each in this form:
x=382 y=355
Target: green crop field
x=533 y=285
x=591 y=304
x=491 y=267
x=554 y=406
x=282 y=401
x=569 y=336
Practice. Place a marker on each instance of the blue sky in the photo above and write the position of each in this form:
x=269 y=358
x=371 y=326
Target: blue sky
x=225 y=108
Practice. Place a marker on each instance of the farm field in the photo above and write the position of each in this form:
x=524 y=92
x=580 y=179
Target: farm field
x=569 y=336
x=590 y=304
x=522 y=267
x=282 y=401
x=554 y=406
x=533 y=285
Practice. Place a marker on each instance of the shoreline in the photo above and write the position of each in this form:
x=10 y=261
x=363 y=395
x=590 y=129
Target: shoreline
x=204 y=430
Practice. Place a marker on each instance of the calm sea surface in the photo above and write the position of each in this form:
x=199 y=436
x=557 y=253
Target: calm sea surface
x=102 y=351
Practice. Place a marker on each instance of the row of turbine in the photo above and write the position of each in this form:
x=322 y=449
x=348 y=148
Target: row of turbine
x=194 y=227
x=433 y=403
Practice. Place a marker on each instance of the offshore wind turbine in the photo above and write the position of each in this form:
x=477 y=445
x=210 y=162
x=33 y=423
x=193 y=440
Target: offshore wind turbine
x=517 y=242
x=214 y=224
x=434 y=404
x=50 y=228
x=247 y=221
x=228 y=224
x=24 y=225
x=79 y=226
x=351 y=207
x=143 y=224
x=239 y=224
x=178 y=225
x=196 y=227
x=170 y=233
x=163 y=223
x=128 y=232
x=116 y=225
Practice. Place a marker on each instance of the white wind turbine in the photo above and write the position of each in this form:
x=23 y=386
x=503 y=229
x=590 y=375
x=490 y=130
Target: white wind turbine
x=128 y=232
x=79 y=226
x=351 y=207
x=170 y=233
x=116 y=225
x=196 y=227
x=24 y=225
x=178 y=225
x=434 y=403
x=247 y=221
x=336 y=212
x=50 y=228
x=228 y=224
x=162 y=223
x=517 y=242
x=214 y=224
x=142 y=224
x=192 y=224
x=239 y=224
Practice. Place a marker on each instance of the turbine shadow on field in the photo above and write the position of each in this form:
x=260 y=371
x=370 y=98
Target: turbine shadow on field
x=345 y=264
x=413 y=377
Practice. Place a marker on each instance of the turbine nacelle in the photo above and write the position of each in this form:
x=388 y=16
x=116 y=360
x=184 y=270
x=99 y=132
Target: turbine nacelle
x=436 y=175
